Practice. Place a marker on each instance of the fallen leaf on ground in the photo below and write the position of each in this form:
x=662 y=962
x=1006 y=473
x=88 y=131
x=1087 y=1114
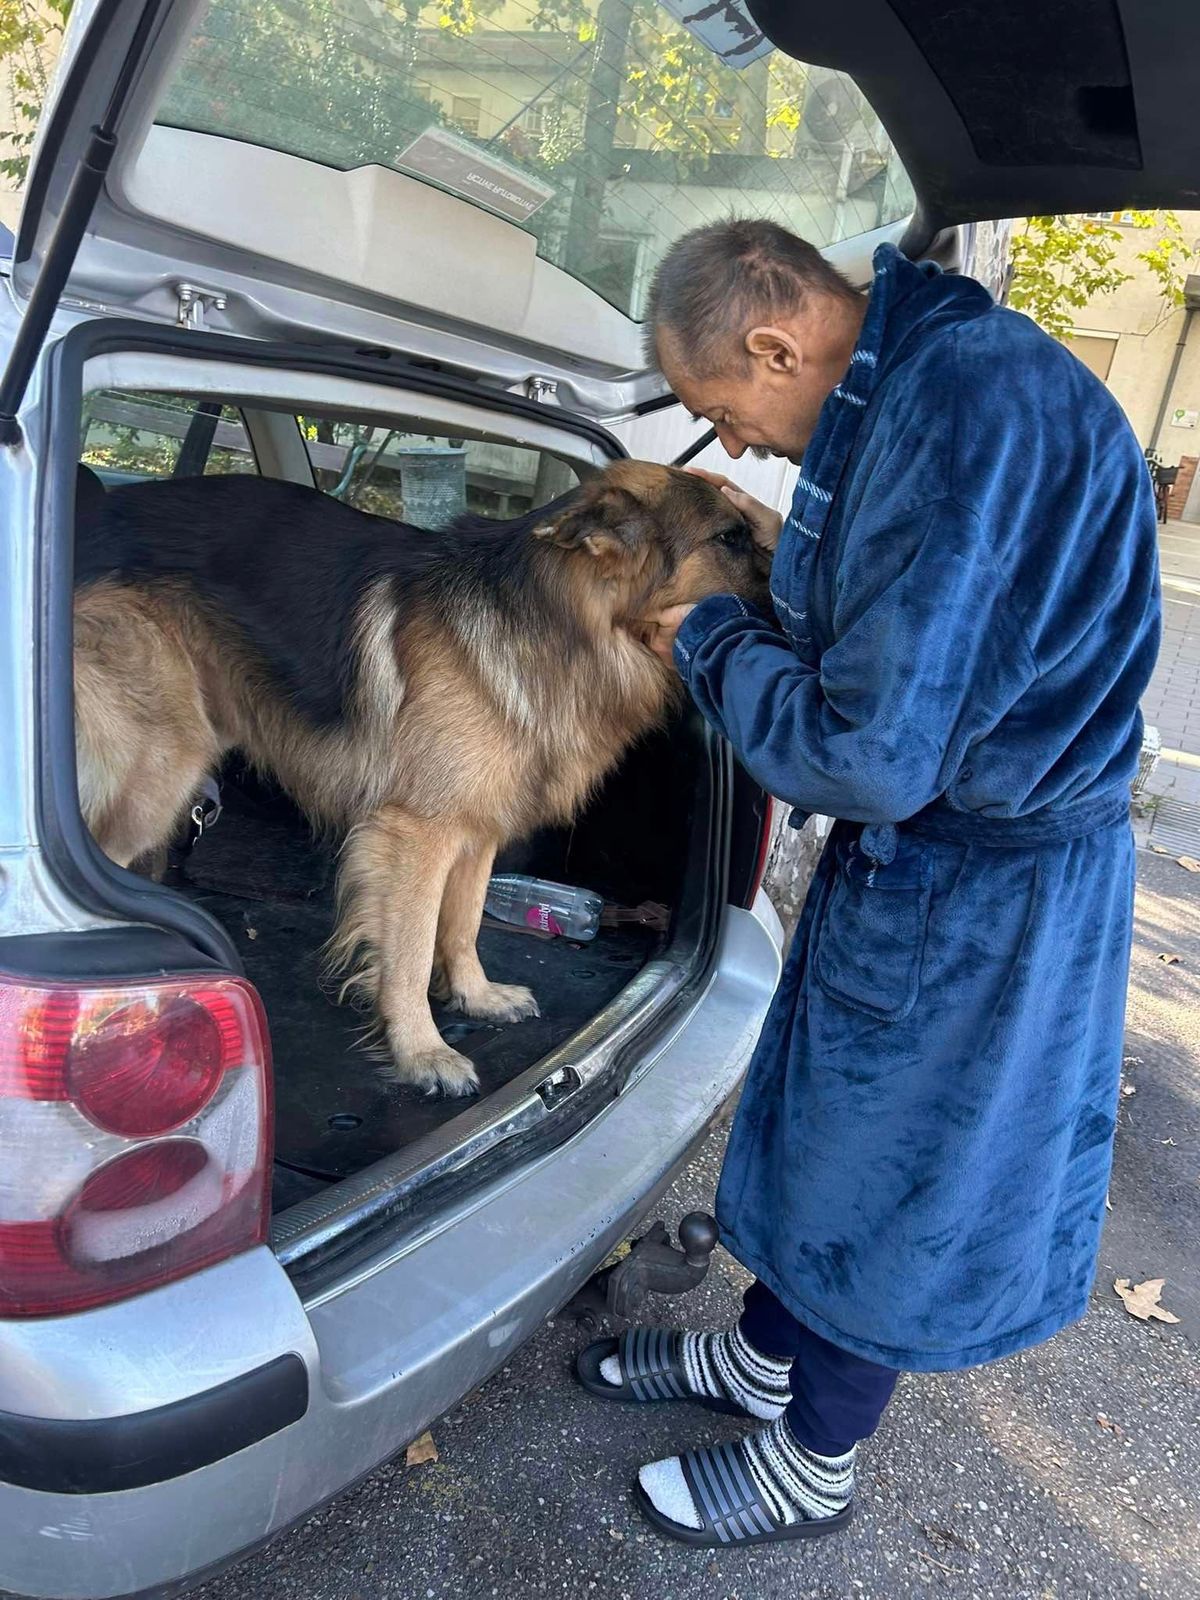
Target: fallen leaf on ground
x=420 y=1451
x=1160 y=849
x=1128 y=1088
x=1189 y=862
x=1168 y=958
x=1141 y=1300
x=934 y=1562
x=1110 y=1426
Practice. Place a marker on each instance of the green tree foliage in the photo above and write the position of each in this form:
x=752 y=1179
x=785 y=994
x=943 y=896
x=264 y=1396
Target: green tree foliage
x=337 y=83
x=1061 y=264
x=26 y=30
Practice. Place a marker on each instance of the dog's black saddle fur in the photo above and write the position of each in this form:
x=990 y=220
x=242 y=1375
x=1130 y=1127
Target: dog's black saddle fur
x=287 y=566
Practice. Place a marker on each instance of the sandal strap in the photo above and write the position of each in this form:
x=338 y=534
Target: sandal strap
x=724 y=1494
x=651 y=1365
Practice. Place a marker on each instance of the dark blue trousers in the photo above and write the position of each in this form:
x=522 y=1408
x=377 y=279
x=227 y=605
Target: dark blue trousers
x=837 y=1398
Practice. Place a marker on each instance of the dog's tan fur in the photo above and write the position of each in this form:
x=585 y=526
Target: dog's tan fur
x=462 y=737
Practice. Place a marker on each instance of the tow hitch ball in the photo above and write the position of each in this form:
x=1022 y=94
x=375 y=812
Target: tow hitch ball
x=652 y=1265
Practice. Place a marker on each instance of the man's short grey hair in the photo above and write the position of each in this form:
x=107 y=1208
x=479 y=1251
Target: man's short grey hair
x=719 y=281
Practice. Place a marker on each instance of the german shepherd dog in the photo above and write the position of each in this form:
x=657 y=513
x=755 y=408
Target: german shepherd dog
x=434 y=695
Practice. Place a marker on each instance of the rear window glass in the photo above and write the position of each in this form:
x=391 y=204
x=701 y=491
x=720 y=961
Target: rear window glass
x=605 y=128
x=129 y=435
x=429 y=479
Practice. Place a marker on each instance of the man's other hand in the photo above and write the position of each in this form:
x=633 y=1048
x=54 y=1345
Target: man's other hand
x=765 y=523
x=657 y=631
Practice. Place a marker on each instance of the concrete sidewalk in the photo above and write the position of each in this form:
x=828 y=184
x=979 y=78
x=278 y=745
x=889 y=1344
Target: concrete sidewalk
x=1172 y=702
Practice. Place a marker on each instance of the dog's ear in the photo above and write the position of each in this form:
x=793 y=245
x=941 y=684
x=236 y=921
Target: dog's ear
x=606 y=521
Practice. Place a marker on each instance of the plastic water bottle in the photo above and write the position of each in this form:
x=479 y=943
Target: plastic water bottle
x=556 y=909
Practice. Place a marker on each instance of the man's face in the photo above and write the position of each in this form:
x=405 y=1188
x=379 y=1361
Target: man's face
x=778 y=376
x=753 y=410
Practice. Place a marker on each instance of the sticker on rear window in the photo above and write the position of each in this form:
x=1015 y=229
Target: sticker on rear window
x=477 y=175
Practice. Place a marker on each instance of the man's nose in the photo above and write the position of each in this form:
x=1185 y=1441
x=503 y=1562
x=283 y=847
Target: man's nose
x=730 y=443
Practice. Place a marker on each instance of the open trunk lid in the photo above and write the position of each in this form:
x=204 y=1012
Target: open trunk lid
x=1033 y=107
x=489 y=187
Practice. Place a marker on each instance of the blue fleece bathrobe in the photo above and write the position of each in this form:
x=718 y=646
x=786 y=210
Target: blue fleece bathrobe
x=968 y=611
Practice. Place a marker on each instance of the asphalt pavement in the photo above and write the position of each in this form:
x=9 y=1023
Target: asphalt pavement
x=1073 y=1470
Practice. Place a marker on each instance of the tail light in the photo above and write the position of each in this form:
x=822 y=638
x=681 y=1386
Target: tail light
x=135 y=1137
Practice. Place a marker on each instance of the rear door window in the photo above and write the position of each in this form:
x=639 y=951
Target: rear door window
x=429 y=479
x=128 y=436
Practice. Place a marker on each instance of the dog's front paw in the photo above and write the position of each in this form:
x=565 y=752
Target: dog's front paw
x=498 y=1002
x=439 y=1069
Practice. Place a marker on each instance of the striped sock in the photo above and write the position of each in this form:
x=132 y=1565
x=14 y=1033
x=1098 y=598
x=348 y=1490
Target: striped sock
x=726 y=1366
x=796 y=1484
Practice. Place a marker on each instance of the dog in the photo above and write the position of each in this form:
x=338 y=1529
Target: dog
x=433 y=695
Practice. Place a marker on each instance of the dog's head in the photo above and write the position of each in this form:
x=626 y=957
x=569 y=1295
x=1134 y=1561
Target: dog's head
x=646 y=537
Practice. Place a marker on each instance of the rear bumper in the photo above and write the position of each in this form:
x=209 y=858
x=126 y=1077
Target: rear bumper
x=385 y=1353
x=105 y=1455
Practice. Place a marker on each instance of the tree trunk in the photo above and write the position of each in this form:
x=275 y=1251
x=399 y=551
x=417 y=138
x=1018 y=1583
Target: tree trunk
x=754 y=87
x=791 y=859
x=594 y=167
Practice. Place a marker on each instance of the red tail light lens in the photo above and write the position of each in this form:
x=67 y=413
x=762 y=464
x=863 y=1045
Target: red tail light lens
x=147 y=1176
x=147 y=1069
x=135 y=1137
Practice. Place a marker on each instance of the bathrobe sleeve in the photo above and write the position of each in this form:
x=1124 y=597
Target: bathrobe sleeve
x=928 y=655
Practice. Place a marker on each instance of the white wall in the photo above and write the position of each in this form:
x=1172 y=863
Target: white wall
x=1145 y=330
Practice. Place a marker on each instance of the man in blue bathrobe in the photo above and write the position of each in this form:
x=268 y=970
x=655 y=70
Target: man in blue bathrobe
x=966 y=614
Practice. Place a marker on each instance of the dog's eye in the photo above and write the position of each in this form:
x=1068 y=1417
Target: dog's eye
x=733 y=537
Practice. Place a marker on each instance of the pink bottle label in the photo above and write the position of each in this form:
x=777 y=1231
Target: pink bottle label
x=542 y=918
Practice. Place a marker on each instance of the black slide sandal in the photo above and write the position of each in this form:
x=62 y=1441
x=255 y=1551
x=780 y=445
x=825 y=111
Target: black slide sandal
x=651 y=1371
x=731 y=1510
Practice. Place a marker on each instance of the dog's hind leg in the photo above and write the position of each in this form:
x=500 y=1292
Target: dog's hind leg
x=143 y=739
x=459 y=979
x=393 y=873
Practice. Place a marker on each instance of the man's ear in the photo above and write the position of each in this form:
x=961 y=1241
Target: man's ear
x=776 y=348
x=608 y=522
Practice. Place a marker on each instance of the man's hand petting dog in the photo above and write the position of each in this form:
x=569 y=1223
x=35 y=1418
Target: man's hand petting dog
x=765 y=523
x=657 y=631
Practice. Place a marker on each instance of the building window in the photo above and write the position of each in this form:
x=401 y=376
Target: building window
x=1095 y=351
x=465 y=110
